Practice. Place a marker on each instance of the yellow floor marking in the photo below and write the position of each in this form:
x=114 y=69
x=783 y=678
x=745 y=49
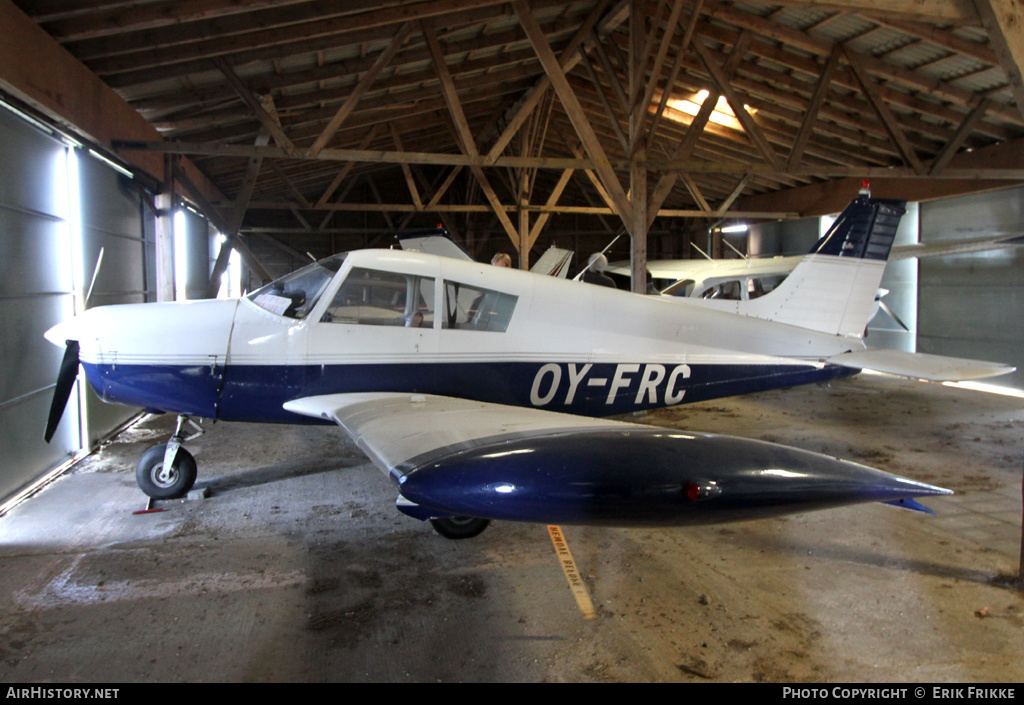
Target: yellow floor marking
x=576 y=584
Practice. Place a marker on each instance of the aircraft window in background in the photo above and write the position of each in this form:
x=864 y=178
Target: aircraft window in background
x=683 y=287
x=472 y=308
x=294 y=295
x=728 y=291
x=370 y=297
x=762 y=285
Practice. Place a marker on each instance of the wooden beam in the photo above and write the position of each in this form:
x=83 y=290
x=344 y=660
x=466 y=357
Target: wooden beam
x=269 y=122
x=613 y=119
x=946 y=10
x=540 y=209
x=574 y=110
x=443 y=188
x=406 y=171
x=462 y=127
x=638 y=49
x=364 y=84
x=1004 y=22
x=688 y=30
x=556 y=193
x=36 y=70
x=724 y=86
x=234 y=220
x=686 y=146
x=572 y=54
x=695 y=191
x=811 y=116
x=659 y=60
x=989 y=171
x=953 y=146
x=732 y=196
x=967 y=173
x=343 y=173
x=892 y=126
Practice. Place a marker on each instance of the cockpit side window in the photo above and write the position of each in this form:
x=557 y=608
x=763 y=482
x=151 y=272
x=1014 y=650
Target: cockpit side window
x=468 y=307
x=294 y=295
x=376 y=298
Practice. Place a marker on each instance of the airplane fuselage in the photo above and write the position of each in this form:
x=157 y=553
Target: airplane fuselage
x=484 y=333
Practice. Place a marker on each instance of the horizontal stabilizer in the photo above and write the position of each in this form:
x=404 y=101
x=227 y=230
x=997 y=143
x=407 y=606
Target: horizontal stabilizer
x=908 y=503
x=934 y=368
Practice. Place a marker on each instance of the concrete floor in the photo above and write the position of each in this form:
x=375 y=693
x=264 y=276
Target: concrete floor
x=297 y=567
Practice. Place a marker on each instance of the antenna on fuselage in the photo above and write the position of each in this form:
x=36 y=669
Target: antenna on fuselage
x=706 y=256
x=606 y=248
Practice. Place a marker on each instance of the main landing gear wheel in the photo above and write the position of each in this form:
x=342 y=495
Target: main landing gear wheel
x=175 y=482
x=459 y=527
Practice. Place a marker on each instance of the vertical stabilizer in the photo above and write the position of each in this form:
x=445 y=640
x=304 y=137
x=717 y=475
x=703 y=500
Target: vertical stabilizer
x=833 y=289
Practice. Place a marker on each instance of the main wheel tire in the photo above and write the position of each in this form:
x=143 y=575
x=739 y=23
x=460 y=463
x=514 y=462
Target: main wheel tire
x=459 y=527
x=151 y=480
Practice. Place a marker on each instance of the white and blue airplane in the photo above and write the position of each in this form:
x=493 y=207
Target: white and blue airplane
x=483 y=391
x=750 y=277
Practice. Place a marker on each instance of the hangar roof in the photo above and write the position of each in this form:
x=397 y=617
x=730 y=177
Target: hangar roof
x=398 y=113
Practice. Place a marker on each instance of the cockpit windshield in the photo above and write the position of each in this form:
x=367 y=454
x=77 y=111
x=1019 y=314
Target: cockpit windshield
x=294 y=295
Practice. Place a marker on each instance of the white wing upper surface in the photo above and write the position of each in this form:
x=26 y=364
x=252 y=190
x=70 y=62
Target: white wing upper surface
x=391 y=428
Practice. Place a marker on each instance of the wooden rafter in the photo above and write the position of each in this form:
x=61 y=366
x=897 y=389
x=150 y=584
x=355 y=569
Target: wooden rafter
x=344 y=74
x=462 y=128
x=724 y=87
x=954 y=145
x=817 y=98
x=884 y=113
x=269 y=122
x=357 y=93
x=574 y=110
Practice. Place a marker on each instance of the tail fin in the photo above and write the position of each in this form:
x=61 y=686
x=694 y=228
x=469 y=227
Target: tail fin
x=833 y=289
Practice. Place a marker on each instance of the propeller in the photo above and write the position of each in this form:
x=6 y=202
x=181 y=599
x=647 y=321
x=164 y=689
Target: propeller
x=62 y=392
x=892 y=314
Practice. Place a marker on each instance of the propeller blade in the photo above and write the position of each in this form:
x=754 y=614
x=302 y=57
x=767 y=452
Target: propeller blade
x=65 y=381
x=892 y=314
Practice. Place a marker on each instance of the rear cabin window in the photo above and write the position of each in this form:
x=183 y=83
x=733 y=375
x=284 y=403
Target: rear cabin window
x=371 y=297
x=469 y=307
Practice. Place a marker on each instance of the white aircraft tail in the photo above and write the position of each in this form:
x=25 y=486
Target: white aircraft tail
x=833 y=289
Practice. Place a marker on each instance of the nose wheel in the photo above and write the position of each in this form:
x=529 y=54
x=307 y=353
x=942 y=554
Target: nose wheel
x=168 y=471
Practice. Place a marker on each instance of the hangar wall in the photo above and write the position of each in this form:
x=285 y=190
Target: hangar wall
x=59 y=207
x=972 y=305
x=35 y=294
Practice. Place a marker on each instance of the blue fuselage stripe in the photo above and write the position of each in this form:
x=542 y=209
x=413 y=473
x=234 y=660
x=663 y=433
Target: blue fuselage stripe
x=256 y=393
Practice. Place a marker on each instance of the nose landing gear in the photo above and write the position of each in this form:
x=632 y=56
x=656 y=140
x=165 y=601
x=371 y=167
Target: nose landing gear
x=168 y=471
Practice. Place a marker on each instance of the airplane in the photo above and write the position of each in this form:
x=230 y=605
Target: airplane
x=750 y=277
x=484 y=392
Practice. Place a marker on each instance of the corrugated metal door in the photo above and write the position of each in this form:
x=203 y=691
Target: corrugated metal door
x=35 y=293
x=114 y=221
x=972 y=305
